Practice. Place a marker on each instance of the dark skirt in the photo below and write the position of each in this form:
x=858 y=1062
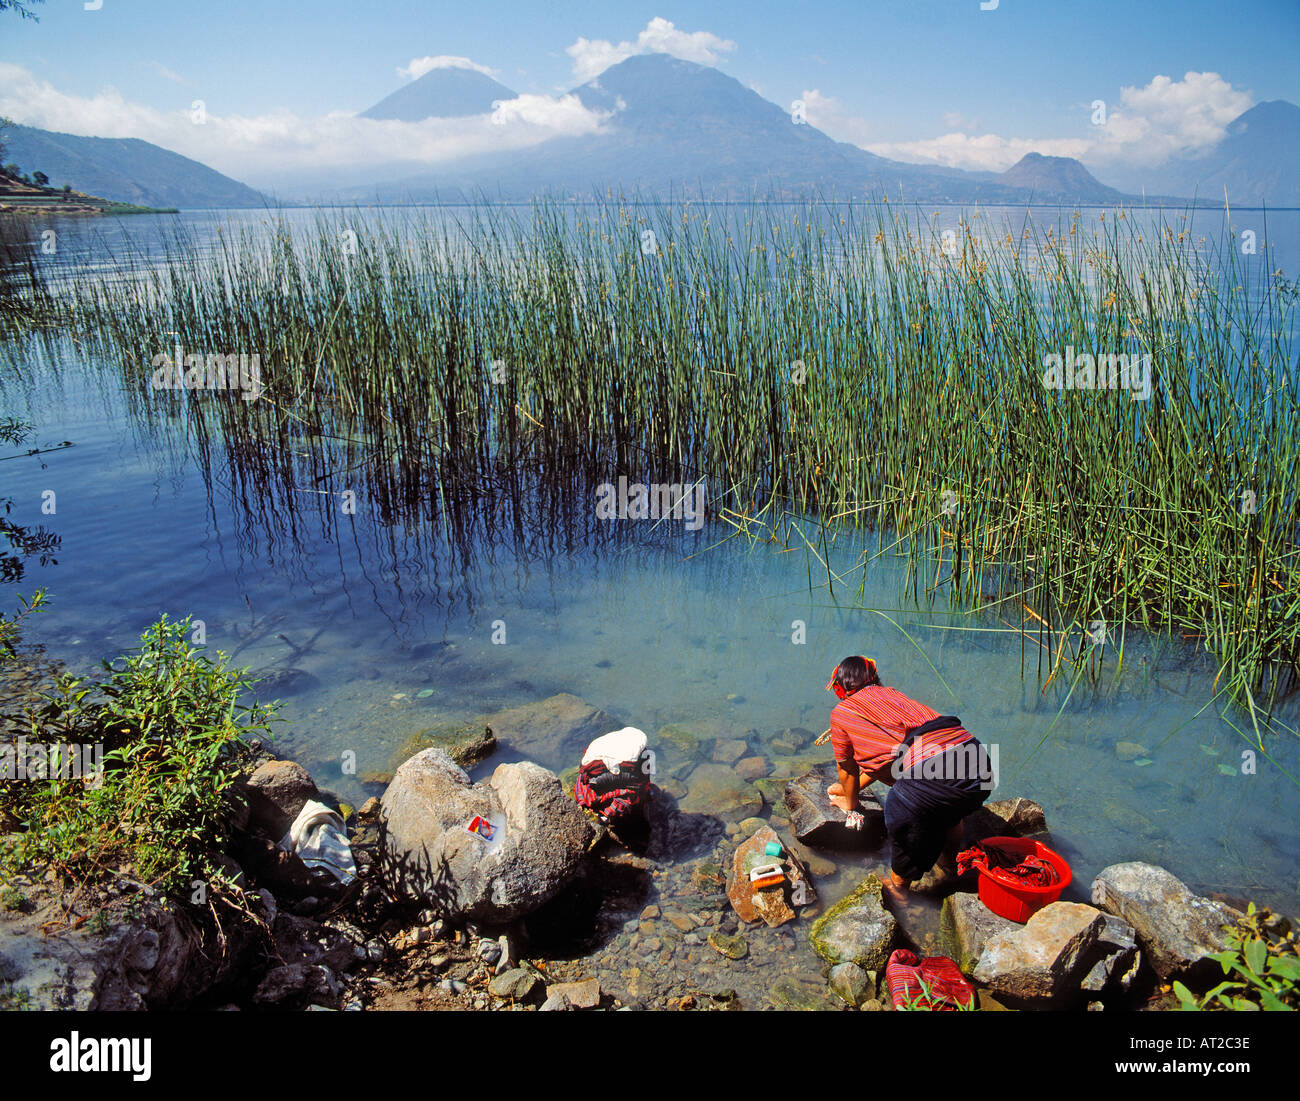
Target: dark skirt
x=919 y=812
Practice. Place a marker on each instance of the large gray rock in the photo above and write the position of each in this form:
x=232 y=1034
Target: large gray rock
x=1042 y=964
x=966 y=926
x=276 y=791
x=430 y=854
x=815 y=820
x=149 y=957
x=857 y=929
x=1015 y=817
x=1115 y=970
x=1176 y=928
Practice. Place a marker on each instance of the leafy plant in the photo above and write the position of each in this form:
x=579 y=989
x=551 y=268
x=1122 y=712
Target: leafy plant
x=1263 y=962
x=172 y=733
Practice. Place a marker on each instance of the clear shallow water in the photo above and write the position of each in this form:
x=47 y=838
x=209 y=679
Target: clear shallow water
x=655 y=625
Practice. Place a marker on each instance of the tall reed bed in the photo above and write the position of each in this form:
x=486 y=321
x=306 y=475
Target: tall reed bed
x=855 y=364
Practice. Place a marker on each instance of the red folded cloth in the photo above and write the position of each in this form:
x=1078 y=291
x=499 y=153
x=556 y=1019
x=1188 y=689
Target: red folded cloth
x=909 y=980
x=1023 y=869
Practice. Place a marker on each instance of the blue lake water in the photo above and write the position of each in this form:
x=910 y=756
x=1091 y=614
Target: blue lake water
x=651 y=622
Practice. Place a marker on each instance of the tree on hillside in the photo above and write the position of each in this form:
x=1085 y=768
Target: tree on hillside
x=5 y=5
x=40 y=179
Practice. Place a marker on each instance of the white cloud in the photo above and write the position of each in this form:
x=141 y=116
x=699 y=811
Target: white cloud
x=591 y=57
x=832 y=118
x=421 y=65
x=1169 y=118
x=988 y=152
x=1145 y=128
x=250 y=148
x=163 y=71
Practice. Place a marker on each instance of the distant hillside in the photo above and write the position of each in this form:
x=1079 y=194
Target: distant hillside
x=1058 y=179
x=441 y=93
x=678 y=126
x=126 y=170
x=1258 y=162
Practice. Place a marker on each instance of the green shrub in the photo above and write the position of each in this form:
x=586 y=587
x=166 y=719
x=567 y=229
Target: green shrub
x=174 y=741
x=1262 y=966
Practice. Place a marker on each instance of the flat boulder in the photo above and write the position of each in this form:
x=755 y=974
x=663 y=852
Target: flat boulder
x=717 y=790
x=1176 y=929
x=1043 y=963
x=772 y=905
x=429 y=854
x=580 y=995
x=816 y=821
x=857 y=929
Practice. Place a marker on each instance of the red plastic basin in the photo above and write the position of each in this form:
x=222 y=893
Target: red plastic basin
x=1017 y=901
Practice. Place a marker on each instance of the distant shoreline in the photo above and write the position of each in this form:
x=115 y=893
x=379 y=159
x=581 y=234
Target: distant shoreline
x=11 y=205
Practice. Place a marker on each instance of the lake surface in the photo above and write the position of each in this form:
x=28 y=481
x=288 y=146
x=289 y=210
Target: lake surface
x=394 y=629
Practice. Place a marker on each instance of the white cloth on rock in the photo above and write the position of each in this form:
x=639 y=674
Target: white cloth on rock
x=320 y=839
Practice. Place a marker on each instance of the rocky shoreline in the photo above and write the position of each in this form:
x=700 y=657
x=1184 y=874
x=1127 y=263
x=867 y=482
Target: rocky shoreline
x=560 y=912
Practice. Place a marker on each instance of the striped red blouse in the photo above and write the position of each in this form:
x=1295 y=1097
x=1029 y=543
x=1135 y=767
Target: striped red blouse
x=867 y=726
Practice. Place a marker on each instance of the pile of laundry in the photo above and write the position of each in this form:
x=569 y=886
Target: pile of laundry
x=1015 y=868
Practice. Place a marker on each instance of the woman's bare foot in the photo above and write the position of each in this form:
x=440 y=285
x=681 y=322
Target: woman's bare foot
x=895 y=891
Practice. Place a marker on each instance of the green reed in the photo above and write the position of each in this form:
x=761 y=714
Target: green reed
x=843 y=362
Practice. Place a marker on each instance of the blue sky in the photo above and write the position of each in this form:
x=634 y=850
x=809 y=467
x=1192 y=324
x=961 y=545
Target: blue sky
x=937 y=80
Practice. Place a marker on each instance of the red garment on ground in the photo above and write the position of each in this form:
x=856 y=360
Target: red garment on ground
x=948 y=987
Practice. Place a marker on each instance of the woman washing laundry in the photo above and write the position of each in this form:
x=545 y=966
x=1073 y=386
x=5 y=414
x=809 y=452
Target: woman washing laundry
x=937 y=770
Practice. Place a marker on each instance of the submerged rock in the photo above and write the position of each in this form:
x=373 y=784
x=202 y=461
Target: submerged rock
x=715 y=789
x=815 y=820
x=278 y=683
x=851 y=984
x=727 y=751
x=857 y=929
x=789 y=992
x=553 y=732
x=430 y=854
x=790 y=740
x=580 y=995
x=1130 y=751
x=734 y=947
x=465 y=743
x=1177 y=929
x=752 y=768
